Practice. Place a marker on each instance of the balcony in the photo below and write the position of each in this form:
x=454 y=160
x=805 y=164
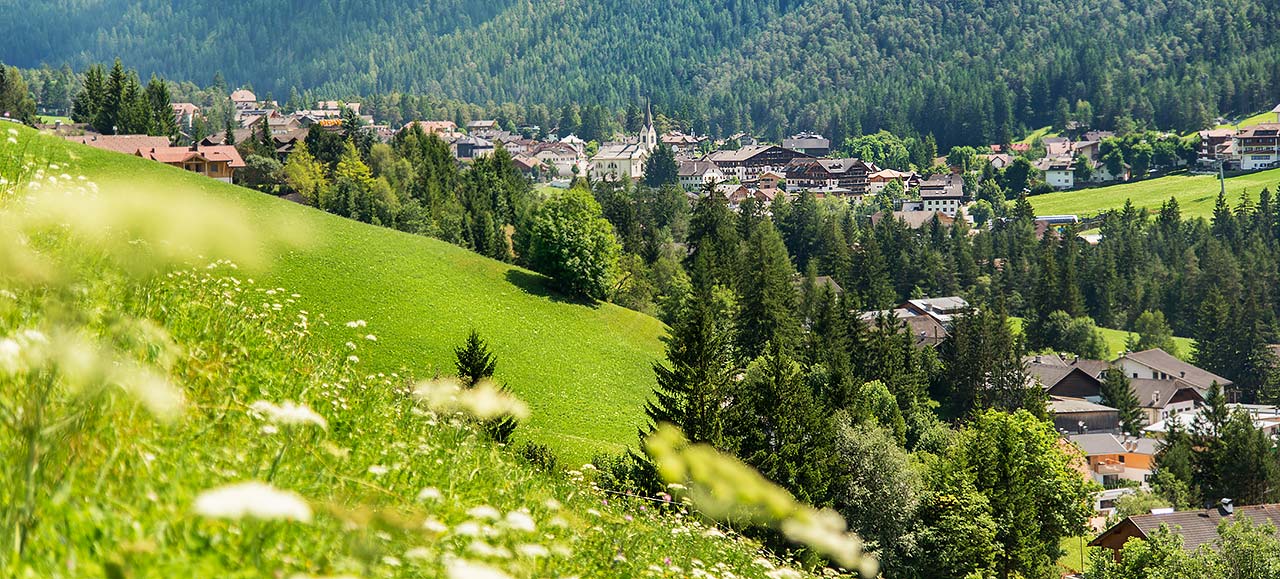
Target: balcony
x=1105 y=468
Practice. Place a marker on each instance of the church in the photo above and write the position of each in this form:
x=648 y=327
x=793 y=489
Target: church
x=626 y=160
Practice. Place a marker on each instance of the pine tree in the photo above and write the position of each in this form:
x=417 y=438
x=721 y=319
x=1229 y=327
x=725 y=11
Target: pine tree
x=475 y=364
x=661 y=168
x=474 y=361
x=107 y=118
x=164 y=121
x=767 y=294
x=1117 y=393
x=88 y=101
x=693 y=387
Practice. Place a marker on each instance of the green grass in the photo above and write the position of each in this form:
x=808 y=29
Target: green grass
x=583 y=369
x=1039 y=133
x=1196 y=194
x=1258 y=119
x=1074 y=550
x=1116 y=340
x=48 y=120
x=137 y=374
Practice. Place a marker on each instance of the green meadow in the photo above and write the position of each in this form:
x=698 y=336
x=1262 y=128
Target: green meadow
x=1116 y=340
x=585 y=369
x=1196 y=194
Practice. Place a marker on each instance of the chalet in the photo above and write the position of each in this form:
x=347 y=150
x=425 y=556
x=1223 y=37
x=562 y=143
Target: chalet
x=943 y=194
x=244 y=99
x=185 y=114
x=694 y=175
x=1258 y=147
x=1216 y=145
x=1112 y=457
x=1071 y=381
x=216 y=162
x=809 y=144
x=562 y=156
x=878 y=180
x=1059 y=172
x=1056 y=146
x=1197 y=528
x=1080 y=416
x=747 y=163
x=770 y=180
x=1161 y=399
x=1156 y=364
x=998 y=160
x=471 y=147
x=810 y=173
x=482 y=125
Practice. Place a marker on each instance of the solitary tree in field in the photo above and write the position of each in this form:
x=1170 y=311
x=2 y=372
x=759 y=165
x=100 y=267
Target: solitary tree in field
x=475 y=361
x=571 y=242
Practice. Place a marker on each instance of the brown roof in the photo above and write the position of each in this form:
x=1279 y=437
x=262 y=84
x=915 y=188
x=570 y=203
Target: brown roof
x=915 y=219
x=1263 y=130
x=1165 y=362
x=211 y=153
x=127 y=144
x=1196 y=527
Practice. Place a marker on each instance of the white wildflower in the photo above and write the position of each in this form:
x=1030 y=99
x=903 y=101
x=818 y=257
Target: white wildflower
x=467 y=529
x=430 y=494
x=353 y=359
x=520 y=521
x=552 y=504
x=377 y=470
x=417 y=554
x=483 y=549
x=532 y=551
x=484 y=512
x=783 y=573
x=351 y=345
x=468 y=570
x=13 y=132
x=390 y=561
x=435 y=526
x=252 y=499
x=357 y=324
x=289 y=414
x=484 y=401
x=12 y=141
x=371 y=338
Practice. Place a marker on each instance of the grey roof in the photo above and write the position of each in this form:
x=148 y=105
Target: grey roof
x=943 y=187
x=1066 y=405
x=1049 y=374
x=1158 y=393
x=1097 y=444
x=1163 y=361
x=1196 y=527
x=696 y=168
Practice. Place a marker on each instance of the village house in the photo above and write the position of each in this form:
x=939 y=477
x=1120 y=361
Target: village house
x=185 y=114
x=682 y=143
x=1258 y=147
x=244 y=99
x=747 y=163
x=943 y=194
x=694 y=175
x=809 y=144
x=1198 y=528
x=1216 y=145
x=848 y=174
x=470 y=147
x=1265 y=417
x=916 y=219
x=216 y=162
x=1080 y=416
x=878 y=180
x=1059 y=172
x=1157 y=364
x=446 y=130
x=562 y=157
x=1113 y=458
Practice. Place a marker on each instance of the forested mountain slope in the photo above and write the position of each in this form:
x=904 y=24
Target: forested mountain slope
x=965 y=70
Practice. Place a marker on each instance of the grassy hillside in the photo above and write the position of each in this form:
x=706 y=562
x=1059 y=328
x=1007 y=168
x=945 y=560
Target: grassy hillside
x=165 y=416
x=584 y=369
x=1196 y=194
x=1116 y=340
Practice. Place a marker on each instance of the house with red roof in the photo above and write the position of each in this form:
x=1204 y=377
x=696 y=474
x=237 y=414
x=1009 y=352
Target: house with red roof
x=214 y=161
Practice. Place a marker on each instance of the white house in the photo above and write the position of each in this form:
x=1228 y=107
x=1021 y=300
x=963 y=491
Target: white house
x=625 y=160
x=1059 y=173
x=943 y=193
x=696 y=174
x=1258 y=146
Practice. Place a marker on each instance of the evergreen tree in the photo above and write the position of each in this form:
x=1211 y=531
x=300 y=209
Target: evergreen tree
x=474 y=361
x=164 y=121
x=107 y=118
x=767 y=295
x=1118 y=393
x=89 y=100
x=693 y=387
x=661 y=169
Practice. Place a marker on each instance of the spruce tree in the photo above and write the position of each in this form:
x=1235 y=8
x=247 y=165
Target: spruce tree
x=475 y=364
x=164 y=121
x=693 y=387
x=107 y=118
x=661 y=168
x=767 y=295
x=88 y=101
x=1117 y=393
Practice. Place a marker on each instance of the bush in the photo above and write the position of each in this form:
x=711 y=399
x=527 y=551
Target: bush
x=540 y=456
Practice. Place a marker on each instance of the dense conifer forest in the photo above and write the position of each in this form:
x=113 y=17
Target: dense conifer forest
x=967 y=72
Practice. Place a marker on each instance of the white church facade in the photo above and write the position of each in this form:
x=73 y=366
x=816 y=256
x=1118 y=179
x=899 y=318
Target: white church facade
x=626 y=160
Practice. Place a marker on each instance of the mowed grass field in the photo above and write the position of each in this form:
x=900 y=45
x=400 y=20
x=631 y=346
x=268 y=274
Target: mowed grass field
x=584 y=369
x=1116 y=340
x=1196 y=194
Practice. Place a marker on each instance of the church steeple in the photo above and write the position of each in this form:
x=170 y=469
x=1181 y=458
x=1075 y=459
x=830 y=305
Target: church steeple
x=649 y=136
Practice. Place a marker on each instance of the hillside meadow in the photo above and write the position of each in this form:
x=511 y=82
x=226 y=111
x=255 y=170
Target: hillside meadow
x=166 y=414
x=585 y=369
x=1196 y=194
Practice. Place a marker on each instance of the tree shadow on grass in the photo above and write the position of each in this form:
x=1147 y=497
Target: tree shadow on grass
x=540 y=285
